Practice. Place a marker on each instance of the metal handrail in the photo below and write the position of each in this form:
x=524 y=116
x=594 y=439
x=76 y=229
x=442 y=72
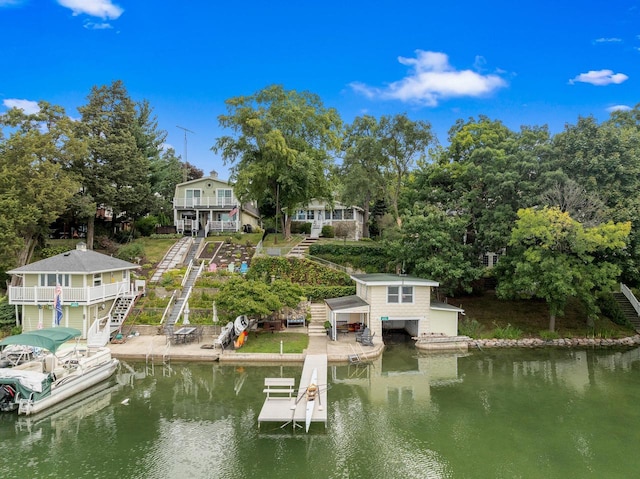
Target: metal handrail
x=630 y=296
x=166 y=310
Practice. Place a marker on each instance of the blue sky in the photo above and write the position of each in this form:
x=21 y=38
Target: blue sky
x=524 y=63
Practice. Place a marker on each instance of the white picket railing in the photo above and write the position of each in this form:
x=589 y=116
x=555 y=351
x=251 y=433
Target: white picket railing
x=44 y=294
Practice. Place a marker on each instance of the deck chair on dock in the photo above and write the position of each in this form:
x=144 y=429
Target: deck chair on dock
x=367 y=338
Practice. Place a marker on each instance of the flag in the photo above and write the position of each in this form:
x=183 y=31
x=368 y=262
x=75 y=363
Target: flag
x=57 y=303
x=233 y=212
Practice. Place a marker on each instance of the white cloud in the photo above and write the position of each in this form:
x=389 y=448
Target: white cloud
x=28 y=106
x=11 y=3
x=608 y=40
x=600 y=78
x=431 y=79
x=95 y=8
x=618 y=108
x=97 y=26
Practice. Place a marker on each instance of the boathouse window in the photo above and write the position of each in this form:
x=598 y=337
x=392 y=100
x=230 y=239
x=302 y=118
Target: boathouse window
x=97 y=279
x=397 y=294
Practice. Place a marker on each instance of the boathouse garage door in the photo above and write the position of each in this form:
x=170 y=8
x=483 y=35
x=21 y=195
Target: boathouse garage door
x=410 y=325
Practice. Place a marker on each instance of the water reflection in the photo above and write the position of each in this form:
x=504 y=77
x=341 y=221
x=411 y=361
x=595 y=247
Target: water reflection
x=530 y=413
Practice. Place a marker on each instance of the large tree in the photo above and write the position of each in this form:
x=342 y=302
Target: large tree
x=35 y=186
x=404 y=143
x=363 y=166
x=604 y=159
x=430 y=245
x=487 y=173
x=282 y=147
x=122 y=137
x=553 y=257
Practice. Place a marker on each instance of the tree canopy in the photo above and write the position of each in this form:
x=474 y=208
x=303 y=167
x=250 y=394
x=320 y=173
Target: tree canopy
x=282 y=148
x=553 y=257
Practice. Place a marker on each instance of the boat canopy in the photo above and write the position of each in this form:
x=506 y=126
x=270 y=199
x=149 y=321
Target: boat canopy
x=50 y=338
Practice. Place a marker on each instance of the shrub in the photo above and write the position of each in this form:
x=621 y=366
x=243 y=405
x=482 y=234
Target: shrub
x=470 y=327
x=549 y=335
x=50 y=251
x=610 y=308
x=131 y=252
x=506 y=332
x=328 y=231
x=147 y=225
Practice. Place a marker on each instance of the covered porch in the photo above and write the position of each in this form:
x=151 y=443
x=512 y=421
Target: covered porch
x=347 y=314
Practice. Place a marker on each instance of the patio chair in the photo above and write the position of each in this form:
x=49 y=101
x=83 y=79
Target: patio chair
x=367 y=340
x=363 y=332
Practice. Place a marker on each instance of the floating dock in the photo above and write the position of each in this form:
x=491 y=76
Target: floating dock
x=280 y=403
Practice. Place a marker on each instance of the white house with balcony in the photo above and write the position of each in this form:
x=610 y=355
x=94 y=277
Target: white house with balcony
x=97 y=292
x=210 y=205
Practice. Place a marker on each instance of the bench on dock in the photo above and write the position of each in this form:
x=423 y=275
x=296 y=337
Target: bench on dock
x=279 y=388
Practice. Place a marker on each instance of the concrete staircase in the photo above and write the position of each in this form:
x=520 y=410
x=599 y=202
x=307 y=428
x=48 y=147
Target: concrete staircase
x=302 y=248
x=179 y=305
x=628 y=310
x=318 y=317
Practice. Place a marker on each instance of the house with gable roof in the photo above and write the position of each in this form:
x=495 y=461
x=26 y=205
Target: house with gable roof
x=209 y=205
x=96 y=292
x=391 y=301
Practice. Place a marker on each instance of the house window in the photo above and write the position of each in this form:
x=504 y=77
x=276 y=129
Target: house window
x=301 y=215
x=97 y=279
x=407 y=294
x=53 y=279
x=348 y=214
x=485 y=260
x=310 y=214
x=225 y=197
x=192 y=197
x=337 y=215
x=397 y=294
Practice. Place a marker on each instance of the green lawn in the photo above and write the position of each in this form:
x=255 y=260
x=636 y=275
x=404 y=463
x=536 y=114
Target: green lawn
x=270 y=343
x=532 y=316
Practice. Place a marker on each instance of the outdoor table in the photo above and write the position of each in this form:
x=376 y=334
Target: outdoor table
x=185 y=334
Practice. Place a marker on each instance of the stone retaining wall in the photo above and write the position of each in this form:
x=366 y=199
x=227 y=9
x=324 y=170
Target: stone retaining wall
x=562 y=342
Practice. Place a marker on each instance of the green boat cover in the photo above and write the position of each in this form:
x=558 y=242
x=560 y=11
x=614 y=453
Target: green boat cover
x=50 y=338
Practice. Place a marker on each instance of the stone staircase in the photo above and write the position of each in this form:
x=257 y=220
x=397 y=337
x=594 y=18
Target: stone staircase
x=628 y=310
x=318 y=317
x=302 y=248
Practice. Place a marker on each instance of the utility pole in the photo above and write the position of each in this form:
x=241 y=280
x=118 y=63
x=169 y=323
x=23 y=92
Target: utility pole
x=186 y=130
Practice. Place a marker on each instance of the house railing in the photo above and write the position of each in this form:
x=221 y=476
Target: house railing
x=45 y=294
x=221 y=226
x=206 y=202
x=99 y=332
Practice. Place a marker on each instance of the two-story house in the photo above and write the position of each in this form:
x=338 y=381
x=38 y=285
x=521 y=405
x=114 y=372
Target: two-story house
x=389 y=301
x=95 y=292
x=207 y=205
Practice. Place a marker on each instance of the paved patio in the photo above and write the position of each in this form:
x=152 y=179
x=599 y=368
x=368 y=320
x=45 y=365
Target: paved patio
x=156 y=348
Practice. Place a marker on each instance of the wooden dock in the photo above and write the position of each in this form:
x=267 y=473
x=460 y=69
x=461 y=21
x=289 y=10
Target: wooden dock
x=280 y=403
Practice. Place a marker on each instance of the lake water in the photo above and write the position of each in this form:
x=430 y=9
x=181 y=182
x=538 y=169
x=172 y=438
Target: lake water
x=488 y=414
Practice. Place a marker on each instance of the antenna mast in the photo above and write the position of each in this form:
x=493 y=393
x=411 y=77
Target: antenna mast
x=186 y=130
